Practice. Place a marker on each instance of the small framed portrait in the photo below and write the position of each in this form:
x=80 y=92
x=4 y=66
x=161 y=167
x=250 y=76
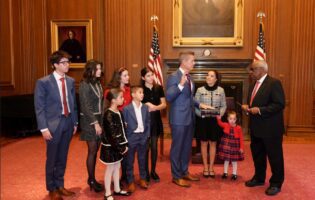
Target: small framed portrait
x=208 y=23
x=74 y=37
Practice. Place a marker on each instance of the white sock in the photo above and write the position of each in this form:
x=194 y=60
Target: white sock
x=234 y=164
x=116 y=177
x=226 y=166
x=108 y=178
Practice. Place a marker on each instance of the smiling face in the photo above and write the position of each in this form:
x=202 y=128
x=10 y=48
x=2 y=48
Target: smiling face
x=211 y=78
x=124 y=77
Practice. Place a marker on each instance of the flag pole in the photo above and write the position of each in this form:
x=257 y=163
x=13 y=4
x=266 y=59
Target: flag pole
x=154 y=18
x=261 y=15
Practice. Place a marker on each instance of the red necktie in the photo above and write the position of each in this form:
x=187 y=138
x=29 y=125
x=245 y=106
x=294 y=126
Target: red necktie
x=254 y=93
x=64 y=97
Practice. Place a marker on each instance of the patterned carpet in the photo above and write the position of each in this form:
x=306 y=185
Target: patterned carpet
x=23 y=176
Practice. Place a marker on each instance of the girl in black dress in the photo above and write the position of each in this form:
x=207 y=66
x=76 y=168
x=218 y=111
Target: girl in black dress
x=154 y=98
x=114 y=143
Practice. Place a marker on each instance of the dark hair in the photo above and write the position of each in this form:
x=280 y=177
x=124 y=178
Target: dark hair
x=217 y=75
x=135 y=88
x=112 y=94
x=90 y=70
x=56 y=56
x=116 y=78
x=183 y=55
x=144 y=72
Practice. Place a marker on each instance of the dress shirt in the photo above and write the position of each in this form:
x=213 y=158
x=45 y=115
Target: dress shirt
x=140 y=128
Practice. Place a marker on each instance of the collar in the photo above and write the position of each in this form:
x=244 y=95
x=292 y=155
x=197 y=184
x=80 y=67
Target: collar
x=182 y=71
x=262 y=78
x=135 y=105
x=57 y=76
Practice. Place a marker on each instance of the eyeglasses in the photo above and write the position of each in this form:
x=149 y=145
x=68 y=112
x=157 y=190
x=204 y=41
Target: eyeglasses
x=65 y=62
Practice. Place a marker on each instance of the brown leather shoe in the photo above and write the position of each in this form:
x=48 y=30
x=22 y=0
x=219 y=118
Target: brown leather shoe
x=64 y=192
x=181 y=182
x=54 y=195
x=131 y=187
x=143 y=184
x=190 y=177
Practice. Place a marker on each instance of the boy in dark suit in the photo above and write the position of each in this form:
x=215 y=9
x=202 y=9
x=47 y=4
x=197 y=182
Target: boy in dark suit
x=57 y=119
x=137 y=118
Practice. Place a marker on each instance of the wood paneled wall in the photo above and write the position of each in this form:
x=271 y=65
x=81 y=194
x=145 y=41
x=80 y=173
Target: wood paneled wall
x=122 y=33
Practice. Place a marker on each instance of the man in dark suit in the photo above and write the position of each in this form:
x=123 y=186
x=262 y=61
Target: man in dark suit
x=179 y=93
x=56 y=113
x=137 y=118
x=265 y=107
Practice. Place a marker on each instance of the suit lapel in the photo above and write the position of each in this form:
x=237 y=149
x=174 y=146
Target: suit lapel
x=69 y=88
x=143 y=113
x=133 y=112
x=55 y=88
x=261 y=89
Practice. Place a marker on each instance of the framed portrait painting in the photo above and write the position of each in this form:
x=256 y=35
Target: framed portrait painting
x=208 y=23
x=74 y=37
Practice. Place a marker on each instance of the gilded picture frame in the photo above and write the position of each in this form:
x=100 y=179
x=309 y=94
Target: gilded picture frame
x=74 y=37
x=208 y=23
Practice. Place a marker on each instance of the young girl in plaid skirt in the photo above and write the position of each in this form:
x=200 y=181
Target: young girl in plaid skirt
x=231 y=145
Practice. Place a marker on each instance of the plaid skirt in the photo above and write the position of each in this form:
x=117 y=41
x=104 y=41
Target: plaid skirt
x=229 y=148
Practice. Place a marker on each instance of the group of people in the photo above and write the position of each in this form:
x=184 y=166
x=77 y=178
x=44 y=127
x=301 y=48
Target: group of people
x=121 y=121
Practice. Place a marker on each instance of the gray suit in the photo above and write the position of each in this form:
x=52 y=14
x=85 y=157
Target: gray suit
x=48 y=108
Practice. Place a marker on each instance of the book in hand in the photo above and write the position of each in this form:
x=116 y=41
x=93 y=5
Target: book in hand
x=210 y=112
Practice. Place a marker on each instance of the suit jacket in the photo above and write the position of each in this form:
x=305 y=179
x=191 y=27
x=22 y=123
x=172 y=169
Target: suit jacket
x=91 y=102
x=130 y=118
x=182 y=108
x=271 y=102
x=48 y=105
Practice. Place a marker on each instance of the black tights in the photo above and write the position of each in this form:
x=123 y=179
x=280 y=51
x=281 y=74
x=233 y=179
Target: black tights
x=91 y=158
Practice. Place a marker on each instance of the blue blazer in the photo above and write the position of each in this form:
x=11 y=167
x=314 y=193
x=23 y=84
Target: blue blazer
x=48 y=105
x=182 y=103
x=132 y=124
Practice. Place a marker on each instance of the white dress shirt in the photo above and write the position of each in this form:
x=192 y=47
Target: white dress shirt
x=140 y=127
x=58 y=77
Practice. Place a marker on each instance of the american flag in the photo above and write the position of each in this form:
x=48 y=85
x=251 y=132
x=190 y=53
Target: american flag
x=260 y=53
x=155 y=58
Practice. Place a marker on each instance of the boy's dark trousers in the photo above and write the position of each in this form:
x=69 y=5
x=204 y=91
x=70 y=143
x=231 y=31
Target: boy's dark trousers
x=140 y=146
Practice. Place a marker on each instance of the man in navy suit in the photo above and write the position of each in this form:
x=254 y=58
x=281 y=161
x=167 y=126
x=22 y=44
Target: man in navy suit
x=179 y=93
x=137 y=118
x=56 y=113
x=265 y=107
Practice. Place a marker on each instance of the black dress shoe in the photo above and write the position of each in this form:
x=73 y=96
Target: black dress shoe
x=122 y=193
x=234 y=177
x=155 y=177
x=253 y=183
x=224 y=176
x=272 y=190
